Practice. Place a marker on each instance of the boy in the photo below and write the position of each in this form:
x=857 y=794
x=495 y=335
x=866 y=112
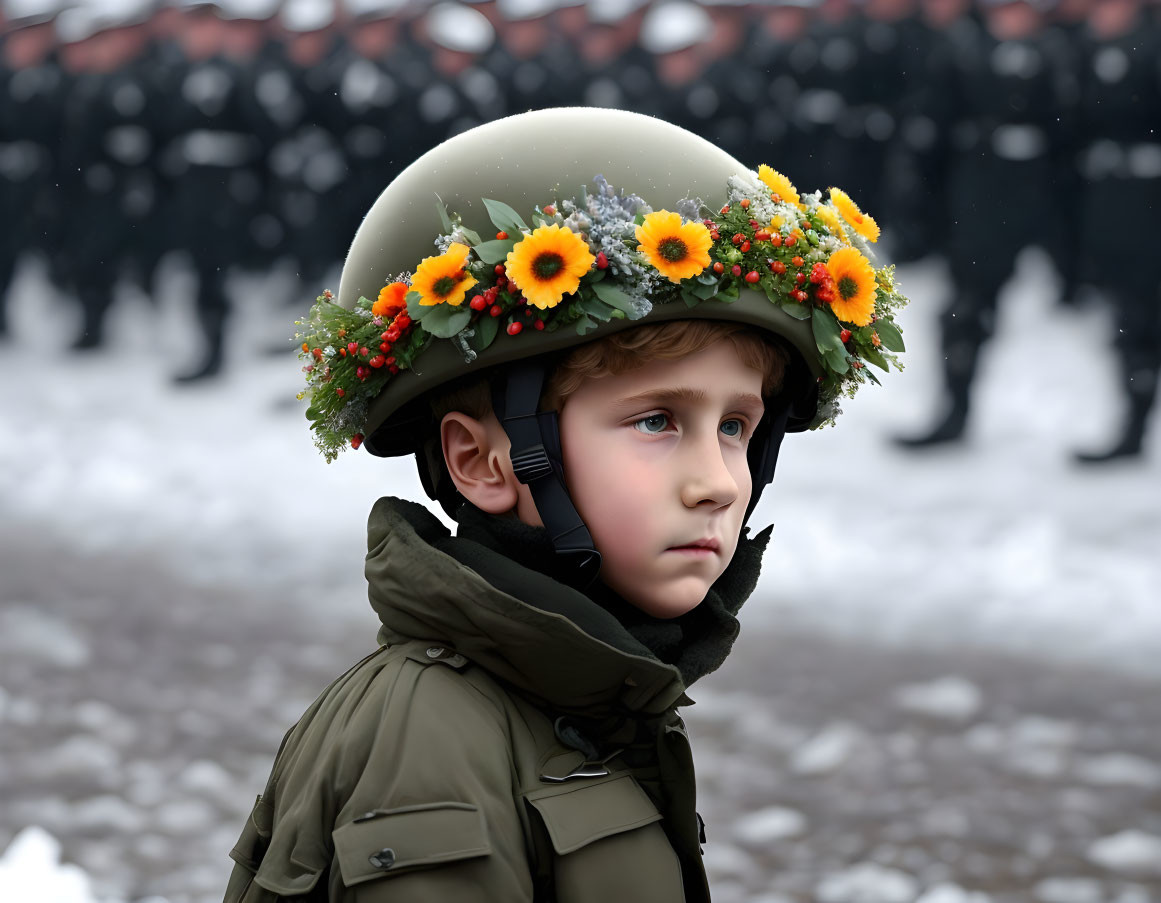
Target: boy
x=598 y=400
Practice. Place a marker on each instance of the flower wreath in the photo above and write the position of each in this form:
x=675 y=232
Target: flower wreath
x=607 y=255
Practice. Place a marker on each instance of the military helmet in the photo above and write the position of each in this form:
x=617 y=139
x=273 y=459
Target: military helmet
x=771 y=250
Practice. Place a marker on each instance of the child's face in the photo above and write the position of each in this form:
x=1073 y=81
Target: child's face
x=655 y=458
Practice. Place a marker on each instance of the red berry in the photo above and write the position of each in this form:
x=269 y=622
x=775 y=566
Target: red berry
x=356 y=440
x=352 y=347
x=528 y=311
x=800 y=278
x=539 y=324
x=719 y=267
x=502 y=282
x=477 y=302
x=363 y=352
x=490 y=294
x=340 y=392
x=736 y=270
x=550 y=210
x=602 y=261
x=361 y=372
x=798 y=261
x=744 y=247
x=499 y=270
x=752 y=276
x=745 y=202
x=776 y=240
x=495 y=311
x=403 y=321
x=818 y=273
x=393 y=369
x=391 y=360
x=791 y=241
x=383 y=336
x=377 y=361
x=858 y=365
x=392 y=334
x=845 y=336
x=715 y=235
x=761 y=235
x=754 y=224
x=778 y=267
x=725 y=209
x=738 y=238
x=500 y=236
x=384 y=346
x=798 y=294
x=342 y=352
x=514 y=327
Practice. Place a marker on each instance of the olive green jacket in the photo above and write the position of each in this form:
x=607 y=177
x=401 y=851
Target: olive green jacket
x=508 y=741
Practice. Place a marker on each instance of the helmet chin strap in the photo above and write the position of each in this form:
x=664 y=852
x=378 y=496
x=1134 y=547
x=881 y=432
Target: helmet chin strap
x=537 y=462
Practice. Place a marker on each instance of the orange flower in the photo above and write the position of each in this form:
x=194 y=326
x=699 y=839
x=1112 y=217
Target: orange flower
x=548 y=264
x=860 y=222
x=854 y=280
x=779 y=185
x=443 y=279
x=676 y=251
x=391 y=299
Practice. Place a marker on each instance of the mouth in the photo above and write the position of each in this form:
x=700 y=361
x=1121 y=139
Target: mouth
x=698 y=547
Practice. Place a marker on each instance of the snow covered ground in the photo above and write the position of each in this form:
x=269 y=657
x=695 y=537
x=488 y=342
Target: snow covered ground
x=1002 y=543
x=945 y=691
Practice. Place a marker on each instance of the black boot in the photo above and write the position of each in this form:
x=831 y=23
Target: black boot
x=211 y=366
x=949 y=429
x=212 y=315
x=95 y=303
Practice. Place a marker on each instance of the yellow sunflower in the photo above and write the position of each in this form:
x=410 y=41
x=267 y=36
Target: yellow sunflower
x=443 y=279
x=548 y=264
x=860 y=222
x=854 y=280
x=675 y=250
x=779 y=184
x=830 y=219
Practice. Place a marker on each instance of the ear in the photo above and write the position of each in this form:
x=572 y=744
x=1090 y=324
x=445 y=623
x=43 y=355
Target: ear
x=476 y=454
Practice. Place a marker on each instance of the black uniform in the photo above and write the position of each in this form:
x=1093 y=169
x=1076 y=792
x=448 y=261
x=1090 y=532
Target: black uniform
x=1119 y=163
x=1012 y=100
x=31 y=102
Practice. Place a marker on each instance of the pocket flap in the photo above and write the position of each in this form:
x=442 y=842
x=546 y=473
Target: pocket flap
x=577 y=814
x=389 y=841
x=255 y=836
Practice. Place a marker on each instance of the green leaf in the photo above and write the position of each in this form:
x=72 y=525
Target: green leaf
x=472 y=237
x=504 y=217
x=583 y=325
x=826 y=333
x=639 y=219
x=889 y=335
x=448 y=225
x=690 y=299
x=415 y=310
x=871 y=376
x=836 y=359
x=705 y=277
x=597 y=308
x=495 y=251
x=444 y=320
x=613 y=296
x=796 y=310
x=872 y=355
x=703 y=290
x=729 y=293
x=486 y=328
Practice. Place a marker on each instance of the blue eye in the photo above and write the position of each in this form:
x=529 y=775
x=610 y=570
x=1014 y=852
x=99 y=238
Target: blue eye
x=656 y=420
x=737 y=428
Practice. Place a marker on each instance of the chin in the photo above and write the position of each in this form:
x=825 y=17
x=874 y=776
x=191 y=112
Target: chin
x=673 y=604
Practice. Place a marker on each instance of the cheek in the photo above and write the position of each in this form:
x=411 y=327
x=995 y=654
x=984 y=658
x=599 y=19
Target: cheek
x=613 y=490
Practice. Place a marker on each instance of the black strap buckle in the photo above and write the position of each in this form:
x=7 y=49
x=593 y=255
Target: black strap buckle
x=531 y=464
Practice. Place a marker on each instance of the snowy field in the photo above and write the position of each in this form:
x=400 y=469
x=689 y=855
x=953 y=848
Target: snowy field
x=945 y=691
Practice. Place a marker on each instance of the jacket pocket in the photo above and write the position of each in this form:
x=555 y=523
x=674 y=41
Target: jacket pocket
x=260 y=875
x=578 y=814
x=607 y=843
x=387 y=842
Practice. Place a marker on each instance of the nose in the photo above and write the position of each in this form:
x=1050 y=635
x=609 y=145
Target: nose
x=706 y=474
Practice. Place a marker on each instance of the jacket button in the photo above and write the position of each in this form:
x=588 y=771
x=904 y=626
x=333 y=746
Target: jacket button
x=384 y=859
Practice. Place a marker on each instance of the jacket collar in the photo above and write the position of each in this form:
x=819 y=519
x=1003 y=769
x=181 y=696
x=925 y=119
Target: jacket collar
x=546 y=639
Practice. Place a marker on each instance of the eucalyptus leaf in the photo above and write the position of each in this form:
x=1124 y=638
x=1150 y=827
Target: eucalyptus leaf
x=504 y=217
x=707 y=278
x=703 y=290
x=444 y=320
x=472 y=236
x=486 y=329
x=448 y=225
x=889 y=335
x=871 y=376
x=690 y=299
x=836 y=359
x=728 y=294
x=495 y=251
x=613 y=296
x=796 y=310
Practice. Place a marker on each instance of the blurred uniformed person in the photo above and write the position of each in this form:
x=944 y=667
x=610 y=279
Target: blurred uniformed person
x=676 y=33
x=31 y=94
x=616 y=71
x=1011 y=89
x=106 y=150
x=1120 y=168
x=461 y=93
x=532 y=64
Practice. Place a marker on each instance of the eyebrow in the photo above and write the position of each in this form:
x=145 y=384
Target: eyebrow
x=687 y=394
